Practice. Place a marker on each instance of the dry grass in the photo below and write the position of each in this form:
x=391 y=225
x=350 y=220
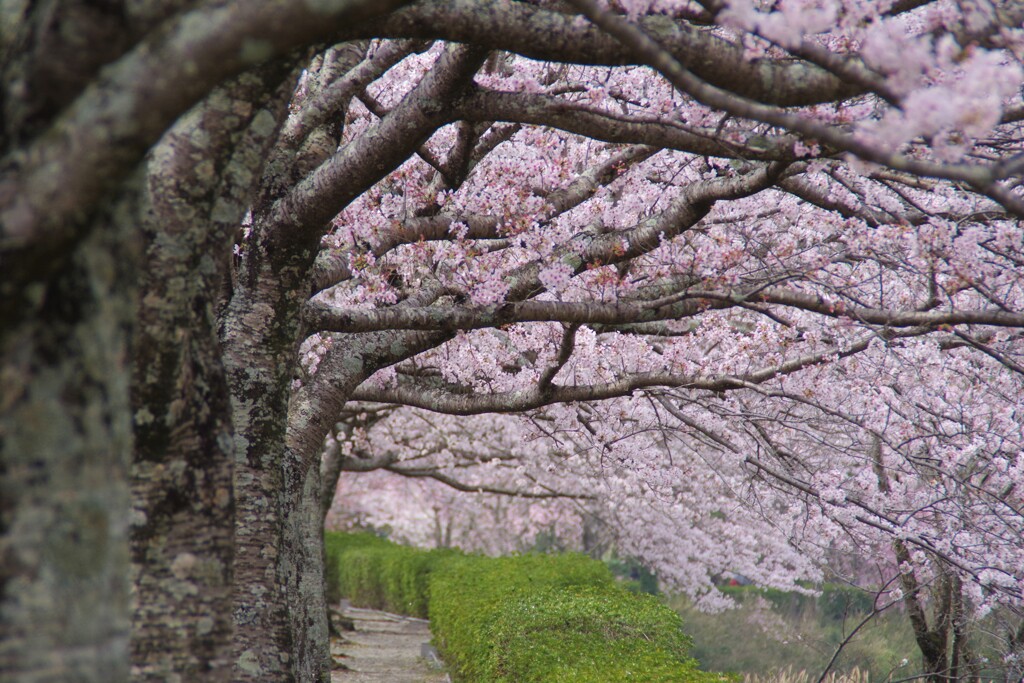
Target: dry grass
x=787 y=675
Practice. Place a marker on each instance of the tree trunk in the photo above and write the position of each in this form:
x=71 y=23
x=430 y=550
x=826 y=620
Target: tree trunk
x=932 y=640
x=278 y=570
x=183 y=526
x=330 y=470
x=303 y=567
x=65 y=447
x=313 y=411
x=260 y=329
x=331 y=462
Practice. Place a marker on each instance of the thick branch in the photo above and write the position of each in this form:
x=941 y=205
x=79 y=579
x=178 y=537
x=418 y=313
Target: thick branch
x=693 y=203
x=332 y=268
x=554 y=36
x=451 y=318
x=649 y=48
x=683 y=305
x=300 y=217
x=49 y=188
x=874 y=316
x=429 y=397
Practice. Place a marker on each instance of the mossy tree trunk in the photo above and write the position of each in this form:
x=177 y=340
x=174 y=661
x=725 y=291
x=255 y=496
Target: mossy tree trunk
x=198 y=185
x=65 y=447
x=66 y=311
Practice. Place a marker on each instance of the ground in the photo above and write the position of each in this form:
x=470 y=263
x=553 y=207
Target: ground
x=384 y=648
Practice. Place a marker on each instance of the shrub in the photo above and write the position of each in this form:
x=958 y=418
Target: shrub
x=405 y=575
x=335 y=572
x=469 y=594
x=526 y=618
x=589 y=633
x=553 y=618
x=373 y=572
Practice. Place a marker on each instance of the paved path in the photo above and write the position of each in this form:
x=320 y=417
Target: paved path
x=384 y=648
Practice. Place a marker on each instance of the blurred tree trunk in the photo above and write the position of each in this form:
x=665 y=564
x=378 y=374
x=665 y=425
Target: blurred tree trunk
x=65 y=430
x=183 y=521
x=944 y=639
x=65 y=447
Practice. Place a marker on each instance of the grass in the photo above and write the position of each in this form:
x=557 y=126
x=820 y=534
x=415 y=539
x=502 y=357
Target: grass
x=788 y=675
x=778 y=640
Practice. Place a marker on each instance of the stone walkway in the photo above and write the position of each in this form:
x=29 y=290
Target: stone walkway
x=385 y=648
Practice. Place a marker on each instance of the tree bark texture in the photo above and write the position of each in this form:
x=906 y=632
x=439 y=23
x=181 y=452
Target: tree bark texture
x=65 y=446
x=278 y=565
x=199 y=180
x=65 y=328
x=260 y=329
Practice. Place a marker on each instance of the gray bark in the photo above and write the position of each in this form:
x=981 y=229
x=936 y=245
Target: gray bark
x=547 y=34
x=65 y=431
x=331 y=462
x=183 y=506
x=279 y=568
x=65 y=445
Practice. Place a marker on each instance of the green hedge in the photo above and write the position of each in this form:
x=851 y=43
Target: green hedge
x=379 y=574
x=339 y=583
x=524 y=618
x=473 y=595
x=575 y=633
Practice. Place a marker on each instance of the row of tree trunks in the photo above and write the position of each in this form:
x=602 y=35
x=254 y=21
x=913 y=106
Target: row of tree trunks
x=153 y=515
x=183 y=521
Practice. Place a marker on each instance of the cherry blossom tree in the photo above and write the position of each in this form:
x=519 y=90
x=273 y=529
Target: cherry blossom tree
x=481 y=483
x=750 y=271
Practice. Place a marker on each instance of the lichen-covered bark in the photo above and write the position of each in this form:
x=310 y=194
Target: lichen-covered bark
x=49 y=53
x=279 y=609
x=260 y=336
x=260 y=330
x=104 y=132
x=65 y=323
x=65 y=444
x=302 y=568
x=312 y=412
x=183 y=521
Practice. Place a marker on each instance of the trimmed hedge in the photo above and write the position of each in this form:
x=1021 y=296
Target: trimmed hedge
x=377 y=573
x=579 y=633
x=339 y=583
x=524 y=618
x=474 y=596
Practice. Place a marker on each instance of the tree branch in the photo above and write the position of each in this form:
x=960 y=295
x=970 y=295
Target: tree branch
x=656 y=55
x=47 y=190
x=429 y=397
x=300 y=217
x=555 y=36
x=480 y=488
x=329 y=100
x=865 y=314
x=593 y=122
x=564 y=352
